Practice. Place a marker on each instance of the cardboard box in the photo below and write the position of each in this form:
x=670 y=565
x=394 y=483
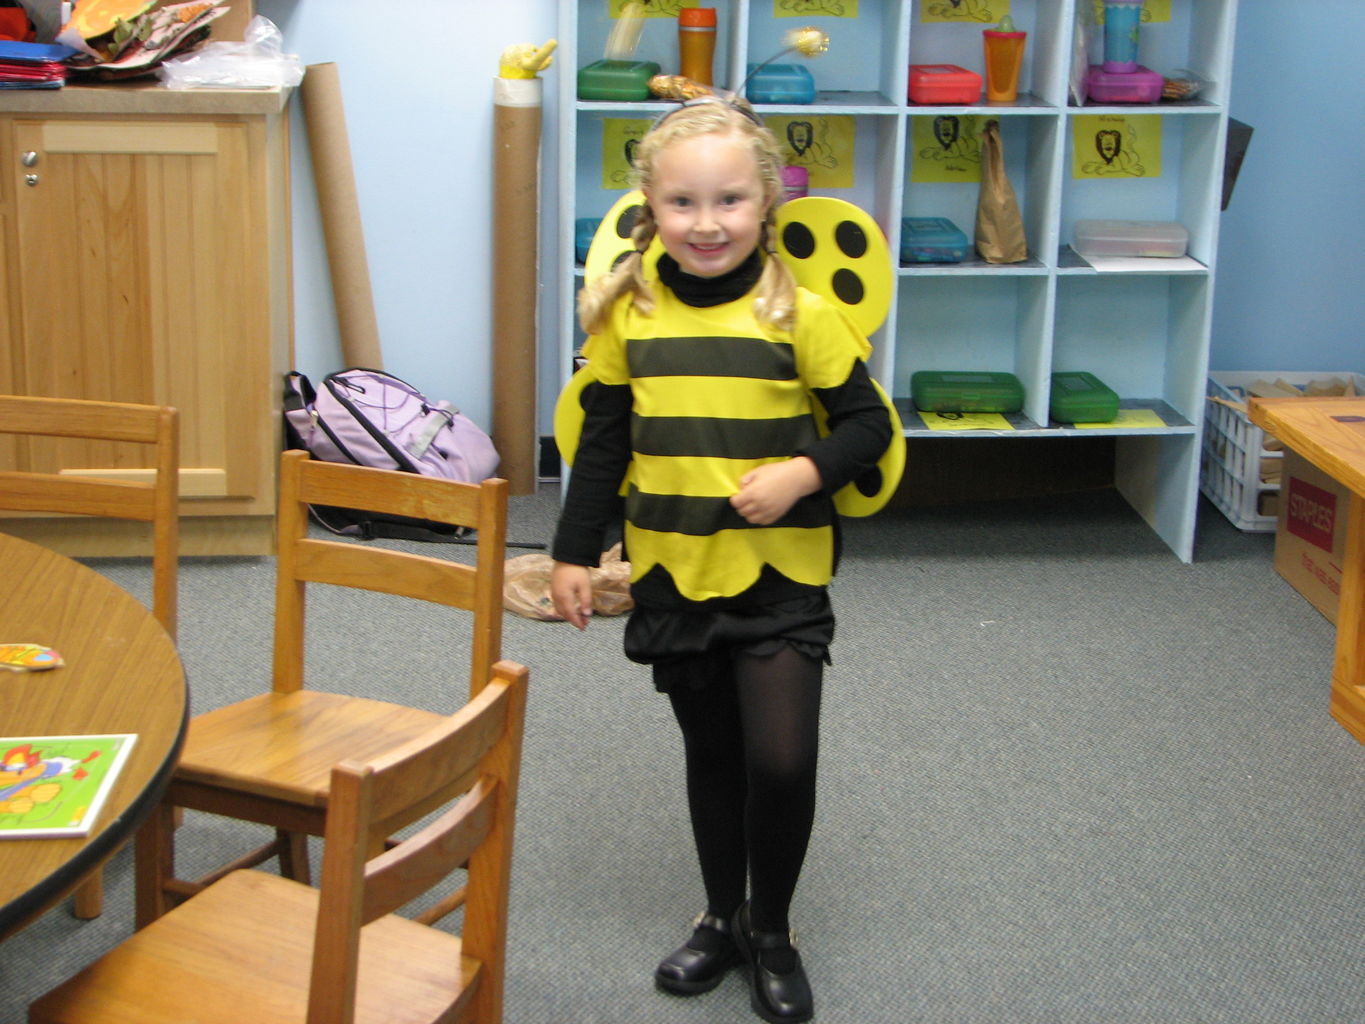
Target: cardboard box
x=1310 y=535
x=230 y=27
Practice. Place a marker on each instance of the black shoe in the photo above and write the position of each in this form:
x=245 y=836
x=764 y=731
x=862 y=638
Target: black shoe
x=698 y=965
x=778 y=989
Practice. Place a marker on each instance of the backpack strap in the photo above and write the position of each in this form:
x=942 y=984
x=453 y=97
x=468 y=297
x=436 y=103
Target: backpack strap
x=440 y=416
x=298 y=409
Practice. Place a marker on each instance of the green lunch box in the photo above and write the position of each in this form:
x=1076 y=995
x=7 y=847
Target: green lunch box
x=1079 y=397
x=616 y=80
x=966 y=391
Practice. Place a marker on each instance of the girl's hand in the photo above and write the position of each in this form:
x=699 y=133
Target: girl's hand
x=768 y=492
x=571 y=591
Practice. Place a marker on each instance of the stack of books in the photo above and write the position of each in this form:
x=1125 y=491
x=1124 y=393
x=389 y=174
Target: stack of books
x=33 y=65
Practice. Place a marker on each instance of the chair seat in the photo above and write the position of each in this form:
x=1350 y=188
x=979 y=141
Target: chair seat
x=283 y=746
x=191 y=964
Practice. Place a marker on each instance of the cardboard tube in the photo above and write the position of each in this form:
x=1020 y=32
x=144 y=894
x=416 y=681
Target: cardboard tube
x=335 y=179
x=516 y=164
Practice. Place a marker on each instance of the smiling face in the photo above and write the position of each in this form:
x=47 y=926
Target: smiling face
x=708 y=201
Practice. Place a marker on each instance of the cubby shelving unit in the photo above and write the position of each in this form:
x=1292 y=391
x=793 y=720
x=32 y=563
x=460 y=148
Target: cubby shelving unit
x=1144 y=332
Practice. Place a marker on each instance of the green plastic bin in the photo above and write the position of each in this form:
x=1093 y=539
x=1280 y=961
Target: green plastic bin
x=616 y=80
x=966 y=391
x=1080 y=397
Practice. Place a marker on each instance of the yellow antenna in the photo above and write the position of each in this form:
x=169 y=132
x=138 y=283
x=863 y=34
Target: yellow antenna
x=625 y=34
x=807 y=41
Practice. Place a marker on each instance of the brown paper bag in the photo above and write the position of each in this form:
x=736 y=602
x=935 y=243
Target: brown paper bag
x=526 y=586
x=999 y=228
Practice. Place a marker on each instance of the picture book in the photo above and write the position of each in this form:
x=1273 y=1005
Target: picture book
x=54 y=786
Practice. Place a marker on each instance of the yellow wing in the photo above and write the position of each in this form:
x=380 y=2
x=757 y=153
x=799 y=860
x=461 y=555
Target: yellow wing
x=835 y=250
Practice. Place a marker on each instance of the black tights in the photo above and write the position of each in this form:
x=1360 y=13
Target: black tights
x=751 y=736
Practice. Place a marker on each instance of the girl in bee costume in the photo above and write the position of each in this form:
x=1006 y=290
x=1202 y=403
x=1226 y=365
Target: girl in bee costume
x=705 y=373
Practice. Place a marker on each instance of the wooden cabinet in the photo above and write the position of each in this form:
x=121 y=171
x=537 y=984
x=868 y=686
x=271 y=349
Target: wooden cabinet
x=146 y=238
x=1142 y=329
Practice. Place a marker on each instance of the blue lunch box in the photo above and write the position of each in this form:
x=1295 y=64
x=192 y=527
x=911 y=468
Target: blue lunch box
x=780 y=83
x=932 y=240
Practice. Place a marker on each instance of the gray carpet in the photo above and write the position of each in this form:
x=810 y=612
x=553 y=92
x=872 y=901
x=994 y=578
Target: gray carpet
x=1064 y=778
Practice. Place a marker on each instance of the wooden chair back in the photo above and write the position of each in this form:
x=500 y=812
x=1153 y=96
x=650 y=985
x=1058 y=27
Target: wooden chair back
x=258 y=947
x=153 y=501
x=469 y=764
x=302 y=560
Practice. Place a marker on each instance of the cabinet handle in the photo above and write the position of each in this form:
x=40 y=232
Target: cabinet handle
x=29 y=159
x=30 y=180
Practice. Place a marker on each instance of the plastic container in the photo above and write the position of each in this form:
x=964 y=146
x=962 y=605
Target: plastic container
x=1080 y=397
x=584 y=228
x=1004 y=53
x=1131 y=238
x=943 y=84
x=795 y=182
x=696 y=43
x=932 y=240
x=1122 y=19
x=1140 y=86
x=966 y=391
x=616 y=79
x=780 y=83
x=1237 y=472
x=1182 y=84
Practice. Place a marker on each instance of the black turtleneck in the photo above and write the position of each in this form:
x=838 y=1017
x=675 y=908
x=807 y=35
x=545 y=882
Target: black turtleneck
x=710 y=291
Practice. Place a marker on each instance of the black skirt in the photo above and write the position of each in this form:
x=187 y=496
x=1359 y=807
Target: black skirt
x=673 y=638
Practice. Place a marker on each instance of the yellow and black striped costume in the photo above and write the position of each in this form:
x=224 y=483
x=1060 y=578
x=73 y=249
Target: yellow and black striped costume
x=690 y=399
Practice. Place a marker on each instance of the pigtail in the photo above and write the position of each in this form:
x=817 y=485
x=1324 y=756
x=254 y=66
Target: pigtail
x=641 y=237
x=596 y=300
x=775 y=297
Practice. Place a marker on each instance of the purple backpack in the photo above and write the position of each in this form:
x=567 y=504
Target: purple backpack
x=371 y=418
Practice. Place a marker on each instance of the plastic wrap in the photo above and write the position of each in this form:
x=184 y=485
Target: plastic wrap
x=257 y=62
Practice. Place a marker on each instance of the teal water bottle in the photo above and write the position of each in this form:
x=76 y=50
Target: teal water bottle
x=1121 y=21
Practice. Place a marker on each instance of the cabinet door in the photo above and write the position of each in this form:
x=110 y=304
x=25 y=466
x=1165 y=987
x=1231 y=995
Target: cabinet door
x=140 y=278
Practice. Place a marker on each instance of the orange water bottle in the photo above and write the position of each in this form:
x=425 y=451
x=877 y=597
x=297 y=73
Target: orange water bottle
x=696 y=42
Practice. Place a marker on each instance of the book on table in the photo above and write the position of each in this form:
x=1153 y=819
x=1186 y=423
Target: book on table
x=54 y=786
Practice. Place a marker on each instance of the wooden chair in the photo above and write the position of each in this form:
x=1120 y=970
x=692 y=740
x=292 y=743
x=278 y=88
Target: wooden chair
x=268 y=759
x=257 y=947
x=154 y=501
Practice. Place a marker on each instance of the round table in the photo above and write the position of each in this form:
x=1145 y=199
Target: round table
x=121 y=675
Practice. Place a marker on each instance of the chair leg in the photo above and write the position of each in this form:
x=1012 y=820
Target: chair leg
x=293 y=851
x=154 y=865
x=88 y=901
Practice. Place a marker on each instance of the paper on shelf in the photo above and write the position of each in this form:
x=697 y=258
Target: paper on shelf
x=1162 y=264
x=965 y=421
x=1130 y=419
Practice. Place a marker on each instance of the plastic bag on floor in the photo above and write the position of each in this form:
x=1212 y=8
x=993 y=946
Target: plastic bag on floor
x=526 y=586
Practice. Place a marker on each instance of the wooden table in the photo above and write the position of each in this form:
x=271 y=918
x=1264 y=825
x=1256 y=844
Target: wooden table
x=121 y=674
x=1330 y=433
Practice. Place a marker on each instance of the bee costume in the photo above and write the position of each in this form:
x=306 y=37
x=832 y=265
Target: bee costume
x=670 y=412
x=679 y=404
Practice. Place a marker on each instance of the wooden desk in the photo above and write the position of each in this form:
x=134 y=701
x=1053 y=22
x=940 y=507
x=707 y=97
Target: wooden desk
x=122 y=674
x=1330 y=433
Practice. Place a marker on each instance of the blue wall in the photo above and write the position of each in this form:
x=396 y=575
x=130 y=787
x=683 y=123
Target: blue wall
x=417 y=81
x=1290 y=290
x=417 y=86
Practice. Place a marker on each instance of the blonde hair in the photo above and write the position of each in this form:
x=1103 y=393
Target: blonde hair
x=775 y=301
